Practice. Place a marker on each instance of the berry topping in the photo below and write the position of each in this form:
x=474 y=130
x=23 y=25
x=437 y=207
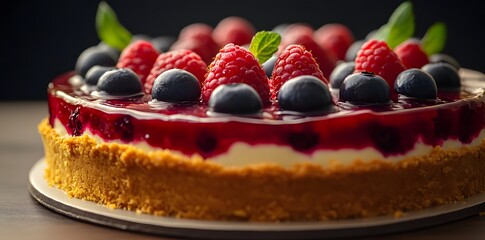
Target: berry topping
x=176 y=85
x=162 y=43
x=444 y=74
x=93 y=56
x=138 y=37
x=195 y=29
x=411 y=54
x=335 y=38
x=297 y=29
x=123 y=81
x=294 y=61
x=114 y=52
x=139 y=56
x=181 y=59
x=93 y=75
x=353 y=49
x=198 y=38
x=235 y=98
x=376 y=57
x=304 y=94
x=444 y=58
x=268 y=66
x=326 y=61
x=340 y=73
x=364 y=88
x=234 y=30
x=235 y=64
x=416 y=83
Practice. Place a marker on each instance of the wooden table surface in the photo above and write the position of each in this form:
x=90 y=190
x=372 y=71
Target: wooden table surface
x=21 y=217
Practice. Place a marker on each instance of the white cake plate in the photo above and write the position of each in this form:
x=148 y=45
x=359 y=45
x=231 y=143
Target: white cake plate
x=58 y=201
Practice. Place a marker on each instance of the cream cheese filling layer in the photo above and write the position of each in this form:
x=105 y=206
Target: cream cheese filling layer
x=241 y=154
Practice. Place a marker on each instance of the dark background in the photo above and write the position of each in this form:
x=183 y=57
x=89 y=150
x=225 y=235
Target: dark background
x=42 y=39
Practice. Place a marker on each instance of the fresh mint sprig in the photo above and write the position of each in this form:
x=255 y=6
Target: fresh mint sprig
x=434 y=39
x=400 y=26
x=109 y=29
x=264 y=44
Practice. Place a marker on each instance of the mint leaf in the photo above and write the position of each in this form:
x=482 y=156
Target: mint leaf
x=264 y=44
x=382 y=33
x=400 y=26
x=109 y=29
x=435 y=38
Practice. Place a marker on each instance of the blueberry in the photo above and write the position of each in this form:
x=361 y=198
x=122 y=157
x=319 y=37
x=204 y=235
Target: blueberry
x=269 y=65
x=445 y=75
x=416 y=83
x=92 y=56
x=444 y=58
x=121 y=81
x=340 y=72
x=235 y=98
x=143 y=37
x=114 y=52
x=353 y=49
x=163 y=43
x=94 y=73
x=176 y=85
x=364 y=88
x=304 y=94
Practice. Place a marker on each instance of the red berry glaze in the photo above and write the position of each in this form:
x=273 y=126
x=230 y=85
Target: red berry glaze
x=376 y=57
x=362 y=129
x=294 y=61
x=411 y=54
x=235 y=30
x=138 y=56
x=182 y=59
x=335 y=38
x=235 y=64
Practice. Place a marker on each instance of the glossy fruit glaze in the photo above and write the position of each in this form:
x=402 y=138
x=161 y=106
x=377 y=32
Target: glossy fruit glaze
x=191 y=129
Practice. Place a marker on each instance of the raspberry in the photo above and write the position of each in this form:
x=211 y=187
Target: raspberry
x=376 y=57
x=194 y=30
x=201 y=44
x=325 y=60
x=234 y=30
x=139 y=56
x=235 y=64
x=292 y=32
x=299 y=29
x=411 y=54
x=335 y=38
x=294 y=61
x=181 y=59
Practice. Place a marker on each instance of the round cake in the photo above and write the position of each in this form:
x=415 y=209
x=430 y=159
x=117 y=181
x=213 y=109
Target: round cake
x=218 y=138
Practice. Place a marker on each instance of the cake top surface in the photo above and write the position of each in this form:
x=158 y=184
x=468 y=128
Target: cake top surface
x=71 y=88
x=291 y=74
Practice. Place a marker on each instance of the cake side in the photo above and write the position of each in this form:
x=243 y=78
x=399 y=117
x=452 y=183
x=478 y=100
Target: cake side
x=158 y=182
